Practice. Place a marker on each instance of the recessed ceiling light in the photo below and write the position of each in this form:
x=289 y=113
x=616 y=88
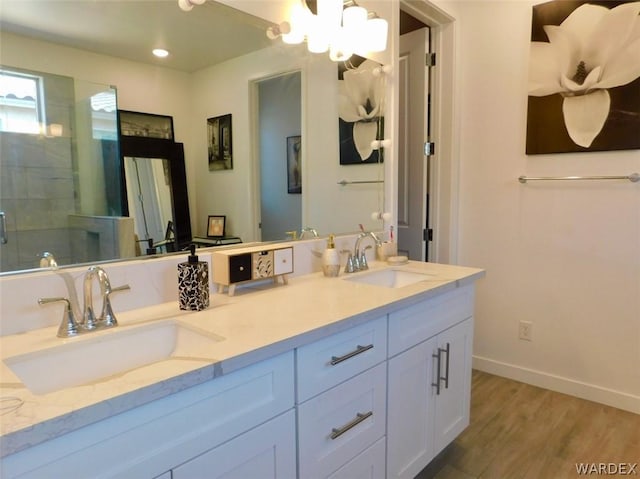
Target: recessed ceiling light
x=160 y=52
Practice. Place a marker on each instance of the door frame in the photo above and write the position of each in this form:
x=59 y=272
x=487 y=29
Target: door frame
x=444 y=167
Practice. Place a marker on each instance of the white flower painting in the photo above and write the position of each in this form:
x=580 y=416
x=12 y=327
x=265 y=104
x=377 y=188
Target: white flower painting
x=360 y=104
x=584 y=77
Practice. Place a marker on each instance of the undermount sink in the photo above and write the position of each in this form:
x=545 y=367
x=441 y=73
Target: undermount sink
x=390 y=278
x=91 y=358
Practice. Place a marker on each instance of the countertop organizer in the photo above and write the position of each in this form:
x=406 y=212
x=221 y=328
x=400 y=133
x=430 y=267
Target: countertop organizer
x=235 y=266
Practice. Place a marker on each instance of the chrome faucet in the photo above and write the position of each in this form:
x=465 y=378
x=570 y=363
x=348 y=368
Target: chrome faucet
x=311 y=231
x=358 y=261
x=70 y=326
x=47 y=260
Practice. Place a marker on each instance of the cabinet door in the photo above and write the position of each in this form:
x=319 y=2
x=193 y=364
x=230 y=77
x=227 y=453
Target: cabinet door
x=267 y=451
x=452 y=404
x=410 y=411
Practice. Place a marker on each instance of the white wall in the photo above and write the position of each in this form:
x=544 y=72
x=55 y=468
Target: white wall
x=565 y=256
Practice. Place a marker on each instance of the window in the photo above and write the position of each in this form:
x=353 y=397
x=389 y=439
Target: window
x=103 y=115
x=21 y=102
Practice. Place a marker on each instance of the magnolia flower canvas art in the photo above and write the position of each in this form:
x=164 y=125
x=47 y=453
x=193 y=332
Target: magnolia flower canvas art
x=360 y=104
x=584 y=77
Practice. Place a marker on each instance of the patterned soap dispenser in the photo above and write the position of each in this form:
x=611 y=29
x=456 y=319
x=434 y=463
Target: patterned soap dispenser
x=193 y=283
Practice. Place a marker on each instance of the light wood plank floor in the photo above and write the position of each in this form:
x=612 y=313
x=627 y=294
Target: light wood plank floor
x=519 y=431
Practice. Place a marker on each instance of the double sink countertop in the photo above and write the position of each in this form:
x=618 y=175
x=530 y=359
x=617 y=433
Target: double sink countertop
x=259 y=322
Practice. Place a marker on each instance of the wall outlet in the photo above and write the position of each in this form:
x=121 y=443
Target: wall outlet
x=525 y=330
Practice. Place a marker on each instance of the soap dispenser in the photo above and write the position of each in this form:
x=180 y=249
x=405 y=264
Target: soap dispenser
x=331 y=258
x=193 y=283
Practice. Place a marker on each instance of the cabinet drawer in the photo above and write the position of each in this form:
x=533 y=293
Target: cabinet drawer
x=424 y=320
x=268 y=451
x=334 y=427
x=262 y=264
x=240 y=268
x=369 y=464
x=283 y=261
x=330 y=361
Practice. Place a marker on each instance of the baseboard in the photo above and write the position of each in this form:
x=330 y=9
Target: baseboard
x=590 y=392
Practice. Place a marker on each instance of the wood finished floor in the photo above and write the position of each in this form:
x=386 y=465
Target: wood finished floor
x=522 y=431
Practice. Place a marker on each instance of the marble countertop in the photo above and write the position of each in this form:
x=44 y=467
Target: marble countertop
x=259 y=322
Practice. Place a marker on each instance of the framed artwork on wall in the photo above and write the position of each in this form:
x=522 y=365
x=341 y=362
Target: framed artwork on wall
x=220 y=143
x=134 y=123
x=584 y=77
x=361 y=115
x=294 y=165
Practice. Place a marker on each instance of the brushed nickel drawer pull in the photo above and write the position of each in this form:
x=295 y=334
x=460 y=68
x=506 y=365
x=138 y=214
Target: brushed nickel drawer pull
x=337 y=432
x=359 y=349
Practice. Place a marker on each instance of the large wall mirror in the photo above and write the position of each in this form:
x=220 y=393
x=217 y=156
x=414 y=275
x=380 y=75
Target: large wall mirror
x=219 y=58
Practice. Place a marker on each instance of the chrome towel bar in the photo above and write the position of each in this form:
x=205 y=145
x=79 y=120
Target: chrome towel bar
x=346 y=182
x=633 y=178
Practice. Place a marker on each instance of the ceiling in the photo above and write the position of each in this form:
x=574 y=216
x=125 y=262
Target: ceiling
x=130 y=29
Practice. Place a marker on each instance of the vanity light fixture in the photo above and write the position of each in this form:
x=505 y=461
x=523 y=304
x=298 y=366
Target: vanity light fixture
x=160 y=52
x=187 y=5
x=340 y=26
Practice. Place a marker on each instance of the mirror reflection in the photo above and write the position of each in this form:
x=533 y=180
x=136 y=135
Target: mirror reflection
x=148 y=184
x=48 y=195
x=190 y=95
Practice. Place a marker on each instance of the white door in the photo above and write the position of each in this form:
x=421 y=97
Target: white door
x=412 y=162
x=452 y=404
x=410 y=411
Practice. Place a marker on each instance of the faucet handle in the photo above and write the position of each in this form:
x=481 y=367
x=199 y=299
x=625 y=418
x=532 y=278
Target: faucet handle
x=363 y=259
x=349 y=266
x=108 y=318
x=68 y=326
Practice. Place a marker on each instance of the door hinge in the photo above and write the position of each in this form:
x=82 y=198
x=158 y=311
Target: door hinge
x=430 y=59
x=429 y=148
x=427 y=234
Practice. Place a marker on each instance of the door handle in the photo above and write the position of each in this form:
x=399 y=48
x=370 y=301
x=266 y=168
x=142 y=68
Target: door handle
x=438 y=358
x=3 y=228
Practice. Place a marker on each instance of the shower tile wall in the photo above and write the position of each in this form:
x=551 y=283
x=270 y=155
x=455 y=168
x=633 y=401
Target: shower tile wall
x=37 y=184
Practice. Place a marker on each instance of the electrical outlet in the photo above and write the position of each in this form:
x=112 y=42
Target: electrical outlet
x=525 y=330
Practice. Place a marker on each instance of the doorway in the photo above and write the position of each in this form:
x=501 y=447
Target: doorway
x=414 y=123
x=279 y=124
x=443 y=164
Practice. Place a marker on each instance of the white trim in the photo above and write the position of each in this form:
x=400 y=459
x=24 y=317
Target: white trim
x=590 y=392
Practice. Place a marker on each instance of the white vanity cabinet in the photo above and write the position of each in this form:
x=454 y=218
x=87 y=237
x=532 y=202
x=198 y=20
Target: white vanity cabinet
x=429 y=383
x=376 y=400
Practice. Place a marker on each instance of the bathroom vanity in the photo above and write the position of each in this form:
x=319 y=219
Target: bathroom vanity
x=325 y=377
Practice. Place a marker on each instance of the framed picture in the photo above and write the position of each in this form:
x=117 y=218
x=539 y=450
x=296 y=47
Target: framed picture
x=361 y=115
x=294 y=165
x=220 y=143
x=592 y=104
x=133 y=123
x=216 y=226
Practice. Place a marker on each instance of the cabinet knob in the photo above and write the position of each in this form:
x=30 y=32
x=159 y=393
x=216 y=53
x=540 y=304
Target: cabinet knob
x=241 y=268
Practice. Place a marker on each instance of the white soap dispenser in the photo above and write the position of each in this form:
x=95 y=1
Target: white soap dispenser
x=331 y=259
